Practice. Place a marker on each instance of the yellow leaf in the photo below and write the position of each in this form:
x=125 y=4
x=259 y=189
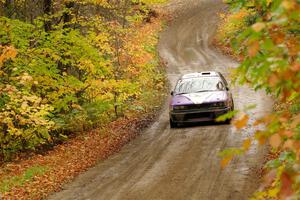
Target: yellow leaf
x=11 y=52
x=273 y=192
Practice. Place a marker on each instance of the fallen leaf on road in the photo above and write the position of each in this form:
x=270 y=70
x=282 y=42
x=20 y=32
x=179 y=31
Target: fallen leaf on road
x=247 y=144
x=241 y=122
x=226 y=161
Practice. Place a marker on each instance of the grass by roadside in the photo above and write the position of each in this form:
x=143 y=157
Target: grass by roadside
x=9 y=182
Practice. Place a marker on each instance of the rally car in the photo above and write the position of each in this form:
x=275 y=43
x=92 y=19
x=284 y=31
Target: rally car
x=198 y=97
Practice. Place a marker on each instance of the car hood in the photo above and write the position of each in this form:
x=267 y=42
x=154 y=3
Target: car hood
x=199 y=98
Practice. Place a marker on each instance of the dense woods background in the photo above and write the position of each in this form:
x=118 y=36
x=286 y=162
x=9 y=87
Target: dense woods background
x=67 y=66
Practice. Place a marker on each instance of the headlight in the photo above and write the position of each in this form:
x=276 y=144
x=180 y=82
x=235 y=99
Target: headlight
x=220 y=104
x=179 y=107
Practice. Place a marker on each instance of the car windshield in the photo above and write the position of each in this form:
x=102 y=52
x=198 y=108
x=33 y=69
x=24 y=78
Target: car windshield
x=201 y=84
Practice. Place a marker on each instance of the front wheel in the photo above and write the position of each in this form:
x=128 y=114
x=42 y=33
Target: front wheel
x=228 y=121
x=173 y=124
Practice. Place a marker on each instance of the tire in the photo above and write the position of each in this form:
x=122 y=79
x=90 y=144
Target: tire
x=228 y=121
x=173 y=124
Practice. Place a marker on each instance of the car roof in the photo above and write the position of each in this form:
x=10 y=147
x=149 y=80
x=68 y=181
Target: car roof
x=201 y=74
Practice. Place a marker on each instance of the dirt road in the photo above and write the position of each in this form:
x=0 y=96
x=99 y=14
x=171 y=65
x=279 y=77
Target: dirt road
x=180 y=164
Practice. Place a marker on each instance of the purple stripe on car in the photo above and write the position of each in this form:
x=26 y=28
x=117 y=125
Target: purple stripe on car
x=180 y=100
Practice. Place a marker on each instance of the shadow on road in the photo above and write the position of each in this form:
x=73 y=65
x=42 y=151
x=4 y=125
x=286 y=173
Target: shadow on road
x=202 y=124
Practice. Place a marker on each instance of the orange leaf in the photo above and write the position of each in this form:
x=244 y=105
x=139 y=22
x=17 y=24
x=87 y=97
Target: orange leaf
x=258 y=122
x=287 y=133
x=269 y=118
x=278 y=37
x=273 y=80
x=288 y=74
x=241 y=122
x=295 y=67
x=226 y=161
x=285 y=94
x=275 y=140
x=262 y=140
x=247 y=144
x=253 y=49
x=286 y=186
x=289 y=144
x=296 y=144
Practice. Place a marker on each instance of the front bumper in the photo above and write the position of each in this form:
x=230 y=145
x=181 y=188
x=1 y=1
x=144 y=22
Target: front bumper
x=197 y=116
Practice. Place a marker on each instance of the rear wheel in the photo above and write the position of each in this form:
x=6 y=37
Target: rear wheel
x=173 y=124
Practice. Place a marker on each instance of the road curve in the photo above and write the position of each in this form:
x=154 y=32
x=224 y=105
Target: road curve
x=183 y=163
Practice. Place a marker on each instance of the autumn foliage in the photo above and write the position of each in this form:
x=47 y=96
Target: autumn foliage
x=265 y=35
x=70 y=66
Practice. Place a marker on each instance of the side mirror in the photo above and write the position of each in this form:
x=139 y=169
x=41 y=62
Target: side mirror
x=172 y=93
x=221 y=86
x=227 y=88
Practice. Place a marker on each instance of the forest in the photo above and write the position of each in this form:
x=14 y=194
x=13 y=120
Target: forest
x=69 y=66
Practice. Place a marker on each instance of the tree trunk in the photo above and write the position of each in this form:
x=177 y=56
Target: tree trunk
x=124 y=13
x=47 y=12
x=67 y=16
x=116 y=104
x=9 y=8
